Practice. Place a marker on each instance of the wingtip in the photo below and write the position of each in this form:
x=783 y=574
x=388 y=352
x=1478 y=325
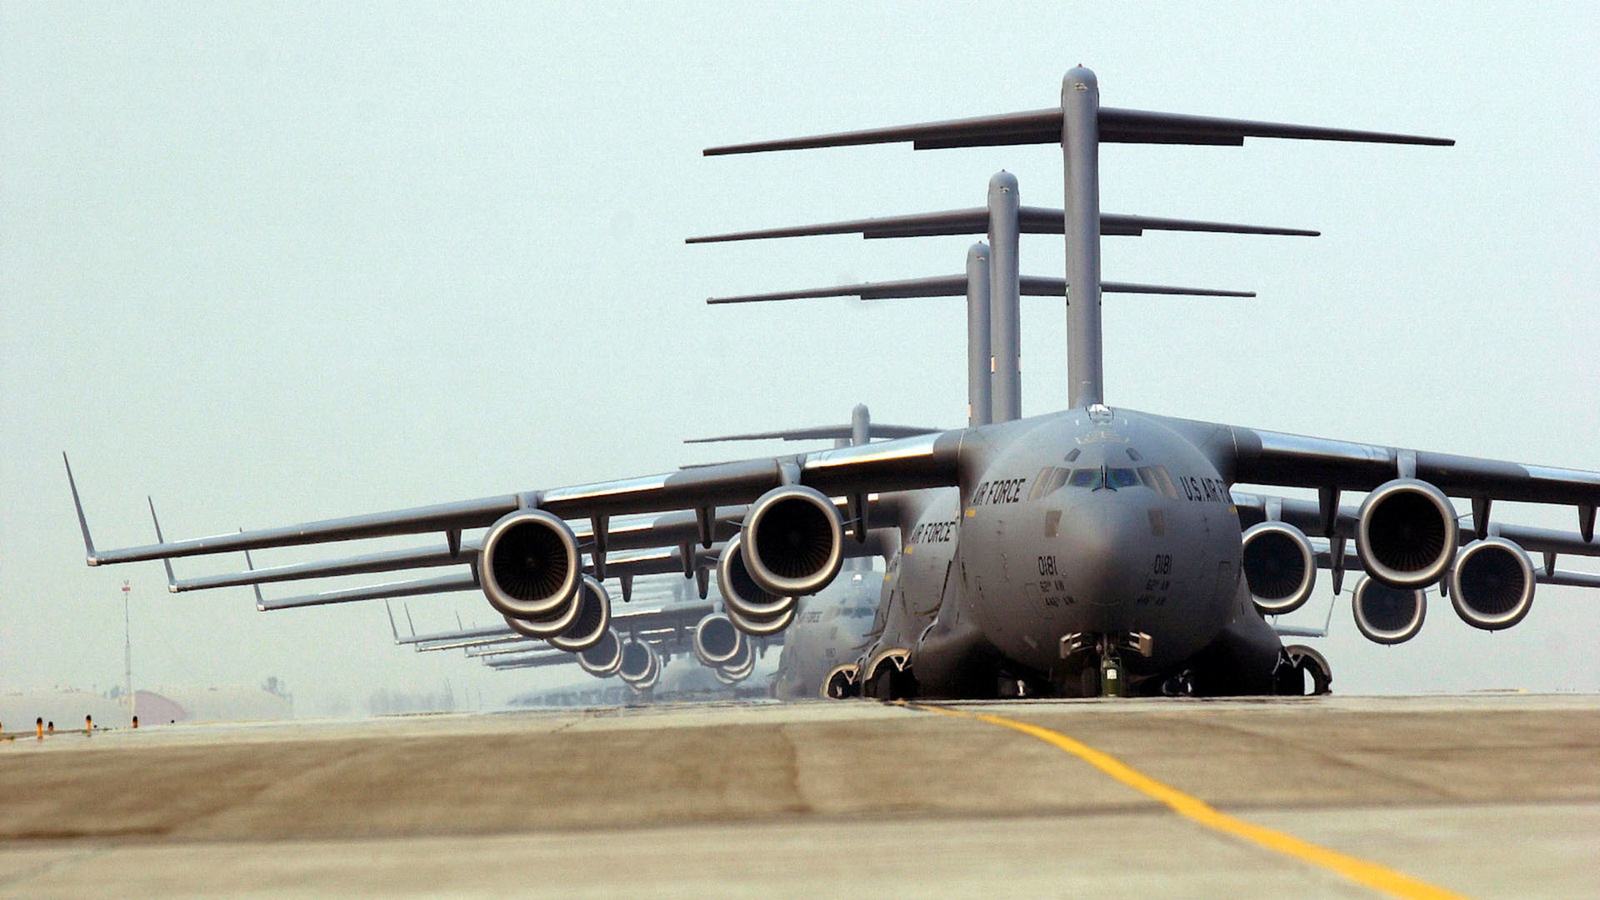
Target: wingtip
x=89 y=556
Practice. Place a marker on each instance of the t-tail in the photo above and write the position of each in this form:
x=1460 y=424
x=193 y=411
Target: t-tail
x=1081 y=125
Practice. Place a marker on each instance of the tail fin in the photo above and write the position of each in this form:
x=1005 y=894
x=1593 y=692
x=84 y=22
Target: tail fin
x=1081 y=125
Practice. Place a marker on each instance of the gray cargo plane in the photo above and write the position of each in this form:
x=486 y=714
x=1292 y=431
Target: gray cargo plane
x=1096 y=539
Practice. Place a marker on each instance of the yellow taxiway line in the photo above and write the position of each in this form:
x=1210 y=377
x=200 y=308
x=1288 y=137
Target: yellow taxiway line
x=1360 y=871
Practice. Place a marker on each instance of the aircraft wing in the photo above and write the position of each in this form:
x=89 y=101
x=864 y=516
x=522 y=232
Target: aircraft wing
x=1251 y=456
x=906 y=464
x=1307 y=515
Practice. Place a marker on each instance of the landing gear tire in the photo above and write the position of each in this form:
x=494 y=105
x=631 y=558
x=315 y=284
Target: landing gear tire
x=1179 y=685
x=891 y=683
x=1089 y=682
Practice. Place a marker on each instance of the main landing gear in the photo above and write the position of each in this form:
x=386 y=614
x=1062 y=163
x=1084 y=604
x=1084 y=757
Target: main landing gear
x=1298 y=665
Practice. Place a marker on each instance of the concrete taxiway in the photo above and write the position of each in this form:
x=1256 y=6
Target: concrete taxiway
x=1484 y=796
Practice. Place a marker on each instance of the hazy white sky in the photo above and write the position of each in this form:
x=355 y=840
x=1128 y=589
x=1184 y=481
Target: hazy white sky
x=272 y=263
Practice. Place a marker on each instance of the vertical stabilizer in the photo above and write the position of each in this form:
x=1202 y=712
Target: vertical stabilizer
x=1080 y=150
x=1005 y=302
x=980 y=410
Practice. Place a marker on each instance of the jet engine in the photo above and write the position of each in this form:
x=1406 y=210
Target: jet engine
x=793 y=541
x=751 y=609
x=603 y=658
x=1492 y=584
x=740 y=667
x=1407 y=534
x=592 y=621
x=1388 y=615
x=1279 y=566
x=641 y=665
x=529 y=566
x=717 y=642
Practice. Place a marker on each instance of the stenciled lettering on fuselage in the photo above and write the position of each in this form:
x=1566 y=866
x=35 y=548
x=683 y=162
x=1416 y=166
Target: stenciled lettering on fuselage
x=1000 y=490
x=1204 y=490
x=1053 y=590
x=934 y=532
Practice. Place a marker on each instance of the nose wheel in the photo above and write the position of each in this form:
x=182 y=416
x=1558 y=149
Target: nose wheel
x=1109 y=677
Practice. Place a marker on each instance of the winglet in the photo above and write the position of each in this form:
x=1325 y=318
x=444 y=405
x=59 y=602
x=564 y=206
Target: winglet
x=172 y=580
x=83 y=523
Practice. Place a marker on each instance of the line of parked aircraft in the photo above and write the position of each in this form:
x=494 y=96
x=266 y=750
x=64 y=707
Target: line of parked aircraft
x=1089 y=551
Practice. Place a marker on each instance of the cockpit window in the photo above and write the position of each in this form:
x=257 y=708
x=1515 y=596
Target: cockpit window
x=1121 y=478
x=1156 y=479
x=1084 y=478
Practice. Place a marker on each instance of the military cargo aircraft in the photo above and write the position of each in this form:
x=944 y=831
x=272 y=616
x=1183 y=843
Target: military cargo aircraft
x=1093 y=542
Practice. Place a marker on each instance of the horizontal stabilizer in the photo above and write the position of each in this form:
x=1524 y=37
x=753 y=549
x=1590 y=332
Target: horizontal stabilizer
x=1117 y=287
x=1043 y=126
x=1030 y=220
x=956 y=286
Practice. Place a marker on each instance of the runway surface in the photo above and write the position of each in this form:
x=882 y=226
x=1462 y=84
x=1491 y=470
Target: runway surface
x=1482 y=796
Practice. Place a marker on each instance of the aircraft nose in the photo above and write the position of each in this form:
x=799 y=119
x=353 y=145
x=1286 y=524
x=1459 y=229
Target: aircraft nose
x=1105 y=542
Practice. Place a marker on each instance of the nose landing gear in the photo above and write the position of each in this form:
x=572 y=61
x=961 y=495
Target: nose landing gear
x=1109 y=678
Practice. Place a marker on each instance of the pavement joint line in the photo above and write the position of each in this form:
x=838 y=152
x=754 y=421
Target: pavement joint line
x=1363 y=872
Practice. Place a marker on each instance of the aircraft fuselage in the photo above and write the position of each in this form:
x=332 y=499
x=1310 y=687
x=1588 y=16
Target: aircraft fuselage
x=1069 y=531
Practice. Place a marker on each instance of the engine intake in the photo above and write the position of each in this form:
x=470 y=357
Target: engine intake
x=1492 y=584
x=750 y=608
x=641 y=665
x=1279 y=566
x=1407 y=534
x=1388 y=615
x=529 y=565
x=603 y=658
x=793 y=540
x=717 y=642
x=592 y=621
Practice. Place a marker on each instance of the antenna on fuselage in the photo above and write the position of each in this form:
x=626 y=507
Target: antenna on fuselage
x=1080 y=124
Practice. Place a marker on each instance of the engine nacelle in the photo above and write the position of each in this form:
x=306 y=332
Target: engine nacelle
x=793 y=541
x=529 y=565
x=717 y=642
x=641 y=665
x=1388 y=615
x=1492 y=584
x=742 y=663
x=603 y=658
x=751 y=609
x=733 y=676
x=761 y=627
x=1407 y=534
x=1279 y=566
x=592 y=621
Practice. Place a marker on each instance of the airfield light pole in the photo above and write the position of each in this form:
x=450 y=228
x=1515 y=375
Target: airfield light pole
x=127 y=650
